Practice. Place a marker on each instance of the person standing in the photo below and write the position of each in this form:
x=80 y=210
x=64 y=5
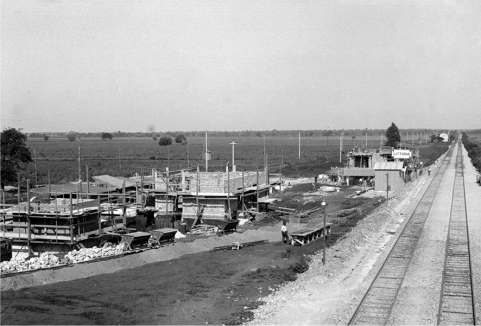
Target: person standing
x=284 y=233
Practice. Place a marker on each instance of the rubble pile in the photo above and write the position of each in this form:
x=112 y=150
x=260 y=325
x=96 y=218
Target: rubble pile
x=204 y=229
x=86 y=254
x=45 y=260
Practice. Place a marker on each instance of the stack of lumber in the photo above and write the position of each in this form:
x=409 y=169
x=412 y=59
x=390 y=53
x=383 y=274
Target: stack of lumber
x=204 y=229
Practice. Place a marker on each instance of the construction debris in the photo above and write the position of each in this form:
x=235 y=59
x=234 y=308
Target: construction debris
x=204 y=229
x=20 y=264
x=86 y=254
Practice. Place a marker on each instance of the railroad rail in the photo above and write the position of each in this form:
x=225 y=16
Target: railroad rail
x=457 y=305
x=377 y=303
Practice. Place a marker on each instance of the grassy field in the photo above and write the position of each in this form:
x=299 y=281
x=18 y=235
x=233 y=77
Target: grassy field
x=127 y=155
x=472 y=142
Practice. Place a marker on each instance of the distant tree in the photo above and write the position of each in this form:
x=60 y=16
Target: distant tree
x=436 y=139
x=15 y=154
x=181 y=139
x=165 y=141
x=71 y=136
x=154 y=137
x=106 y=136
x=45 y=137
x=393 y=138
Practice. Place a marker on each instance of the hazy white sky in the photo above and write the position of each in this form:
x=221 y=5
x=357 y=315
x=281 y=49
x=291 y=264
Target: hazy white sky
x=94 y=65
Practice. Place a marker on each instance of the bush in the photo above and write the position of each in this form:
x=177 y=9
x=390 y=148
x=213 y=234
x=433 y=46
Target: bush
x=165 y=141
x=106 y=136
x=71 y=136
x=45 y=137
x=181 y=139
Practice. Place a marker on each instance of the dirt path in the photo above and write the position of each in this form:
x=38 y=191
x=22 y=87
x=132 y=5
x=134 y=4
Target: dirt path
x=328 y=294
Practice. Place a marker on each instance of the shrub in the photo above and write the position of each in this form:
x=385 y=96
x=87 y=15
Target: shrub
x=181 y=139
x=165 y=141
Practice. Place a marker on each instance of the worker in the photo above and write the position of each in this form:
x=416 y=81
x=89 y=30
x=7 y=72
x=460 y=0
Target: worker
x=285 y=235
x=429 y=171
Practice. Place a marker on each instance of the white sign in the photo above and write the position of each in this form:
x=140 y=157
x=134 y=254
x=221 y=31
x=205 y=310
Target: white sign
x=402 y=154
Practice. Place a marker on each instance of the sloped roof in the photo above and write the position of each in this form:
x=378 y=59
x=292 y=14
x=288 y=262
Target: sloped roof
x=388 y=165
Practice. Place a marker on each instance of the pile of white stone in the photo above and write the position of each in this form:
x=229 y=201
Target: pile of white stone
x=21 y=264
x=48 y=259
x=86 y=254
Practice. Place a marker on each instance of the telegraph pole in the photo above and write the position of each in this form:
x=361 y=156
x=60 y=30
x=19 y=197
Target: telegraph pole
x=206 y=153
x=366 y=137
x=340 y=146
x=233 y=143
x=299 y=154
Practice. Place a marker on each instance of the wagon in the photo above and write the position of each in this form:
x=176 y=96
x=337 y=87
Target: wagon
x=304 y=236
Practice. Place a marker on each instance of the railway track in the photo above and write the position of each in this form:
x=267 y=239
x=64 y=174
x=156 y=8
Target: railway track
x=456 y=305
x=377 y=303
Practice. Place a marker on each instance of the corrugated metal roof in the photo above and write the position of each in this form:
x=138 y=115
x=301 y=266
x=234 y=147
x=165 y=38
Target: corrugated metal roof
x=388 y=166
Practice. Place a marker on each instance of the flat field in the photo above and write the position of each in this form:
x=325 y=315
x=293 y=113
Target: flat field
x=127 y=155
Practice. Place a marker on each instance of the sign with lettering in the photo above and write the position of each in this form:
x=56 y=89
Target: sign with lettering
x=402 y=154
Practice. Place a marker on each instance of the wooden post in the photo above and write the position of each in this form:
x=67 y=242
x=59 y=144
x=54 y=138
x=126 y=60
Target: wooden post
x=124 y=207
x=197 y=188
x=71 y=217
x=35 y=167
x=257 y=189
x=18 y=191
x=29 y=234
x=206 y=151
x=280 y=177
x=228 y=191
x=99 y=215
x=324 y=233
x=340 y=146
x=243 y=186
x=79 y=170
x=366 y=137
x=299 y=154
x=87 y=177
x=49 y=184
x=167 y=191
x=387 y=186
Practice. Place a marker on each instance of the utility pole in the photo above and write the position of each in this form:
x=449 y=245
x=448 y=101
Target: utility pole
x=197 y=187
x=49 y=184
x=299 y=154
x=340 y=146
x=280 y=177
x=233 y=143
x=257 y=189
x=228 y=191
x=35 y=164
x=87 y=177
x=29 y=232
x=387 y=186
x=324 y=232
x=120 y=164
x=206 y=154
x=265 y=157
x=366 y=138
x=79 y=169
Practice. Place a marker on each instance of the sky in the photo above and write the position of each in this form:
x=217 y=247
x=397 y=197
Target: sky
x=104 y=65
